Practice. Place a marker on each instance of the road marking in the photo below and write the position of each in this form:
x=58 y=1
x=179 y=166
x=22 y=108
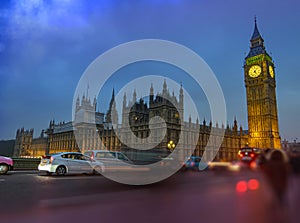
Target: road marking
x=2 y=180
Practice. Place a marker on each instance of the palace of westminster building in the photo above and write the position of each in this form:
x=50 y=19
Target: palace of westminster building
x=263 y=132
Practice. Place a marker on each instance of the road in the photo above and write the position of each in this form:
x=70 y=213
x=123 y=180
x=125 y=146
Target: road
x=208 y=196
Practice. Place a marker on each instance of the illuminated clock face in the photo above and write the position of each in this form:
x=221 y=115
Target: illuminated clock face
x=254 y=71
x=271 y=71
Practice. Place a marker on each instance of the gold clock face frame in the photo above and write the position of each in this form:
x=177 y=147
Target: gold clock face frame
x=254 y=71
x=271 y=71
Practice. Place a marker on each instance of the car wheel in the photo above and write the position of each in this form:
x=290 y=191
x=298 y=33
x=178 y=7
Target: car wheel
x=61 y=170
x=3 y=168
x=97 y=170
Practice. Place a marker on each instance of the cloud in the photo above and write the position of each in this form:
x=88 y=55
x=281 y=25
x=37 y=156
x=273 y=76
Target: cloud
x=45 y=46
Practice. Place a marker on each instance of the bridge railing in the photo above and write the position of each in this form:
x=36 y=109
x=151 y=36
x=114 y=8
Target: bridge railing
x=26 y=163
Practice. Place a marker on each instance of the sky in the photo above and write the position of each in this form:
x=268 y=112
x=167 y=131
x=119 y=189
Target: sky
x=45 y=47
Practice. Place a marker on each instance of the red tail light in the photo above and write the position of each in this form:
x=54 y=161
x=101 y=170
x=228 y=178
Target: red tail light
x=241 y=186
x=192 y=163
x=51 y=159
x=92 y=156
x=252 y=155
x=253 y=184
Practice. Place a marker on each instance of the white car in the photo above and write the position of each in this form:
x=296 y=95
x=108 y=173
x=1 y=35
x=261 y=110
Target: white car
x=112 y=160
x=69 y=162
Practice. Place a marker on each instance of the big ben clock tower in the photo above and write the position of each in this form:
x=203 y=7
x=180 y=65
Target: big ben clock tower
x=260 y=83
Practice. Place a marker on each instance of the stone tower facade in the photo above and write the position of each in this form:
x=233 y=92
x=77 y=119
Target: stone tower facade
x=23 y=142
x=136 y=115
x=260 y=83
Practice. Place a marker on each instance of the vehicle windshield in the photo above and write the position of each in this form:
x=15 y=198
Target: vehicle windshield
x=104 y=155
x=113 y=154
x=194 y=159
x=249 y=150
x=89 y=153
x=122 y=156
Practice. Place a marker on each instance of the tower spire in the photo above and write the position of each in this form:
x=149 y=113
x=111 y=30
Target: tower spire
x=257 y=42
x=165 y=88
x=134 y=96
x=256 y=34
x=112 y=100
x=151 y=94
x=113 y=94
x=111 y=114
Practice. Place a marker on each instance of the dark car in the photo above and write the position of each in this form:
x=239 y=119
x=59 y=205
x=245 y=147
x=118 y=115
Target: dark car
x=249 y=154
x=192 y=163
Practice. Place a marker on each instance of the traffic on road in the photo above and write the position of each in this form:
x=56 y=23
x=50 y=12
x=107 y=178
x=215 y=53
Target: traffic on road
x=236 y=191
x=244 y=196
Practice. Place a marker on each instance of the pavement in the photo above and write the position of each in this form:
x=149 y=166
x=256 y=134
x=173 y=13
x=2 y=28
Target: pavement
x=208 y=197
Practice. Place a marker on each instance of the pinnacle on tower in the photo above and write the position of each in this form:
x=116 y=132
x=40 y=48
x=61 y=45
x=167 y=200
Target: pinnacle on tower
x=151 y=94
x=204 y=122
x=134 y=96
x=111 y=113
x=95 y=103
x=165 y=88
x=151 y=90
x=113 y=94
x=257 y=43
x=256 y=34
x=181 y=96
